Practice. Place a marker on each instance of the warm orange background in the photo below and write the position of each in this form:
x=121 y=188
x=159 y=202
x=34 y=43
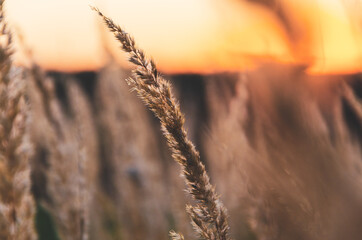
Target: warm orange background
x=192 y=36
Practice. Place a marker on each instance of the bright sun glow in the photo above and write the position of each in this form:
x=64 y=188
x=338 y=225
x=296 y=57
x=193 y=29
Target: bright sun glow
x=192 y=36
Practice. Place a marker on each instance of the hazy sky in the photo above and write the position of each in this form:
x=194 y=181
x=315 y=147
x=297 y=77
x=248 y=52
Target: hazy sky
x=189 y=35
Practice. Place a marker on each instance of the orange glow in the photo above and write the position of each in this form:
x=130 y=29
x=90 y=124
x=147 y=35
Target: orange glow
x=203 y=36
x=332 y=41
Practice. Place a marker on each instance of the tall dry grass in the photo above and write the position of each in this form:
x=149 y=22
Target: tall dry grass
x=16 y=202
x=65 y=159
x=282 y=147
x=208 y=216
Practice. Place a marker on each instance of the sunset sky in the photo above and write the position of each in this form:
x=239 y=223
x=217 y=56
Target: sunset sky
x=192 y=36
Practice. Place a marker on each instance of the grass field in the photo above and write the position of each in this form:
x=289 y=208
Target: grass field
x=269 y=153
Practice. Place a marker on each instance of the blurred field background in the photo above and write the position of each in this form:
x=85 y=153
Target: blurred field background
x=271 y=93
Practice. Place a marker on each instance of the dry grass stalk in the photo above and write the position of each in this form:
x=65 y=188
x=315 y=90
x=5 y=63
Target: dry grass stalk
x=208 y=216
x=68 y=170
x=65 y=173
x=85 y=157
x=176 y=236
x=16 y=202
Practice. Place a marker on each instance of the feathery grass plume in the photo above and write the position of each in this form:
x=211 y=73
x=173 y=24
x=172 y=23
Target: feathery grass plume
x=64 y=166
x=70 y=149
x=208 y=216
x=16 y=202
x=85 y=157
x=176 y=236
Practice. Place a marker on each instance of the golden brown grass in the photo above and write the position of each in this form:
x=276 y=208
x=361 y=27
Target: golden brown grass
x=208 y=216
x=68 y=169
x=16 y=202
x=284 y=151
x=176 y=236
